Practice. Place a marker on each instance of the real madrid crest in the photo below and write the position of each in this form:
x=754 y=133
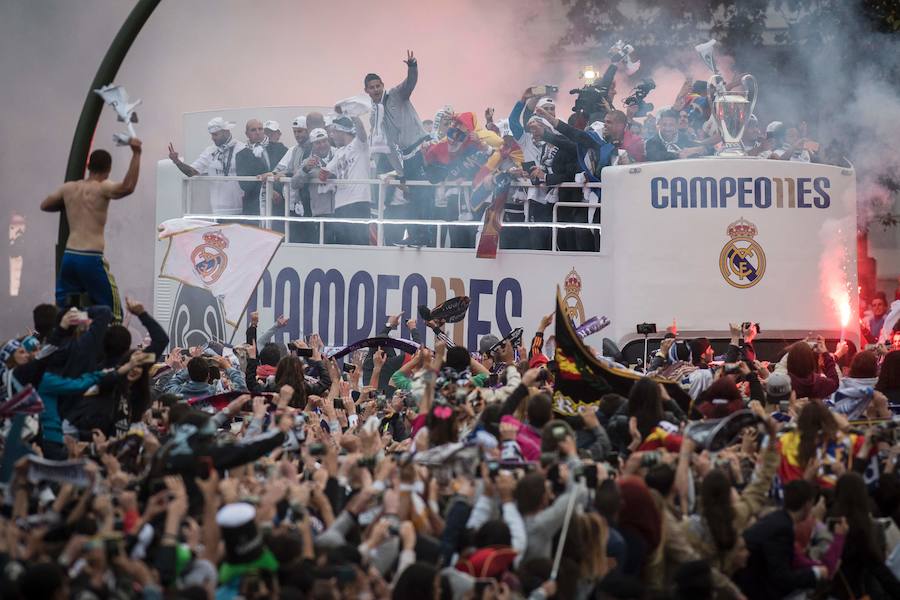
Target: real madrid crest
x=742 y=260
x=572 y=299
x=209 y=258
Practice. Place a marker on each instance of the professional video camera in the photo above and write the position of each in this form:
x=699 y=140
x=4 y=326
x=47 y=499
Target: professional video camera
x=592 y=100
x=637 y=96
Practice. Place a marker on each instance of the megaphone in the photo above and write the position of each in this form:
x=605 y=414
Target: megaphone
x=716 y=434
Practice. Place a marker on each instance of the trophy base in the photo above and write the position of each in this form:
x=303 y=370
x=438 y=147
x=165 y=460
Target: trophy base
x=733 y=151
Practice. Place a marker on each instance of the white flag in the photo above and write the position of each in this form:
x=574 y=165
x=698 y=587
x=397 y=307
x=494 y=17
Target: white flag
x=173 y=226
x=227 y=260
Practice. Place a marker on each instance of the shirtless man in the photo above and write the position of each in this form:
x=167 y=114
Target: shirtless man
x=83 y=269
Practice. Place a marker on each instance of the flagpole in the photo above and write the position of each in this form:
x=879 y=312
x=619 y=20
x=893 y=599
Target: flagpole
x=238 y=322
x=573 y=494
x=246 y=304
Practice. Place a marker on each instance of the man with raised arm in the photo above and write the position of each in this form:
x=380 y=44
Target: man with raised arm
x=225 y=197
x=84 y=270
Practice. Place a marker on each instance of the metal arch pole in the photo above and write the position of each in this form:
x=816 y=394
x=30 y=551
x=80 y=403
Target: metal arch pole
x=93 y=104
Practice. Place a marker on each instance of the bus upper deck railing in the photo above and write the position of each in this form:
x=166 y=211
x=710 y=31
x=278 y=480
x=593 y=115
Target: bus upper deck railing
x=268 y=215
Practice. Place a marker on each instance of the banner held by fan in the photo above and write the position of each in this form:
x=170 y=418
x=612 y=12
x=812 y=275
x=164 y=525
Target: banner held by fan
x=584 y=378
x=452 y=310
x=406 y=346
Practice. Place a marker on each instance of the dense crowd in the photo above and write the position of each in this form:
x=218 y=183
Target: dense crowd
x=268 y=470
x=533 y=150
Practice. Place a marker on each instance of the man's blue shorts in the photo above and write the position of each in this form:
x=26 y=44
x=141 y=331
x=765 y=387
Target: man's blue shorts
x=85 y=272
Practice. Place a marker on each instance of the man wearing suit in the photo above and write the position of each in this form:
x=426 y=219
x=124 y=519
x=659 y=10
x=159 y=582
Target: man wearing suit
x=258 y=157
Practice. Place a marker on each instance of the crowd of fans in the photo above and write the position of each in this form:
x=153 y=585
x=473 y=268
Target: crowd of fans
x=532 y=146
x=266 y=470
x=271 y=470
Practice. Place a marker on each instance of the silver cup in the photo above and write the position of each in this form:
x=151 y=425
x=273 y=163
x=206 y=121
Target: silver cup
x=731 y=110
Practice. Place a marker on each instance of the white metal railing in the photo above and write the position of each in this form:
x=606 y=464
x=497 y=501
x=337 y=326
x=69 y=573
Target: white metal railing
x=268 y=216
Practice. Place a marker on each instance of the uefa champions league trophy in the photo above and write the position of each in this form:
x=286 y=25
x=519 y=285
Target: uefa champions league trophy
x=731 y=109
x=117 y=98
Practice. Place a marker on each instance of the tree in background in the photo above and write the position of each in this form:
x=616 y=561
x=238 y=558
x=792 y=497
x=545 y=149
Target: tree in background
x=832 y=63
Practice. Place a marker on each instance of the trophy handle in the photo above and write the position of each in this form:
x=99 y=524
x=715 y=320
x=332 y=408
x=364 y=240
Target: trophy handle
x=749 y=82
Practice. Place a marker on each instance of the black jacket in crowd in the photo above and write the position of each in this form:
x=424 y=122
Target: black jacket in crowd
x=393 y=362
x=245 y=163
x=768 y=574
x=564 y=166
x=84 y=354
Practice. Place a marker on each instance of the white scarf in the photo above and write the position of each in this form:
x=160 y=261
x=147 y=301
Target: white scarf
x=259 y=148
x=378 y=143
x=224 y=155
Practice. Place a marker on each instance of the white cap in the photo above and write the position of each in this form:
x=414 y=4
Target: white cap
x=545 y=102
x=773 y=126
x=272 y=126
x=219 y=124
x=299 y=122
x=318 y=134
x=235 y=514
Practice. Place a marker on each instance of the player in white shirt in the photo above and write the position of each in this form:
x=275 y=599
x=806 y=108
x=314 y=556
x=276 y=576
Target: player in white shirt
x=225 y=197
x=350 y=161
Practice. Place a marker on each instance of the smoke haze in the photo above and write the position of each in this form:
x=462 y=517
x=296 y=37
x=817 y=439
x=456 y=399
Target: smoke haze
x=208 y=54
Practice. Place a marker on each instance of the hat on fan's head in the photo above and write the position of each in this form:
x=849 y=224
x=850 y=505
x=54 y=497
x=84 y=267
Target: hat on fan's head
x=545 y=103
x=778 y=387
x=272 y=126
x=299 y=122
x=487 y=342
x=8 y=349
x=343 y=124
x=318 y=134
x=774 y=126
x=219 y=124
x=245 y=551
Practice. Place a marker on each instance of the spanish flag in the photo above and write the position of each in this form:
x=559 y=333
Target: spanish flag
x=662 y=437
x=584 y=378
x=841 y=450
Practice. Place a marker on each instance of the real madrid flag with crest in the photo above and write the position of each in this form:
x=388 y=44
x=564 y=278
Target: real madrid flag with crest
x=583 y=378
x=228 y=260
